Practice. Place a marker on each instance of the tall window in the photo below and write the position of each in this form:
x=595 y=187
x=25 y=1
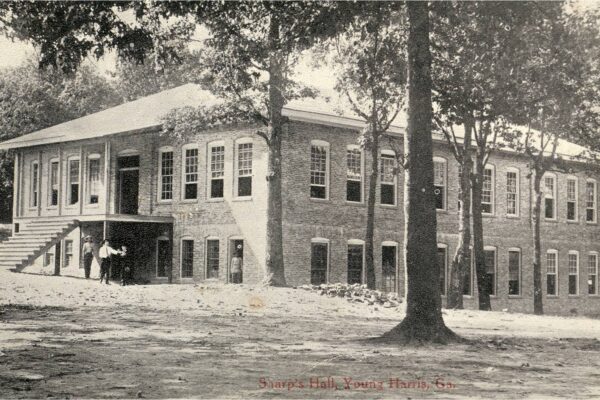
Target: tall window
x=49 y=260
x=319 y=260
x=244 y=170
x=68 y=253
x=319 y=180
x=551 y=272
x=212 y=258
x=354 y=174
x=388 y=264
x=73 y=182
x=550 y=197
x=571 y=199
x=217 y=171
x=593 y=273
x=35 y=180
x=190 y=184
x=514 y=272
x=439 y=182
x=53 y=184
x=93 y=179
x=590 y=201
x=187 y=258
x=355 y=263
x=166 y=175
x=388 y=178
x=512 y=192
x=490 y=270
x=442 y=261
x=487 y=191
x=573 y=272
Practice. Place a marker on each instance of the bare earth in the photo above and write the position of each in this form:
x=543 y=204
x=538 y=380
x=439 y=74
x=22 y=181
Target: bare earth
x=66 y=337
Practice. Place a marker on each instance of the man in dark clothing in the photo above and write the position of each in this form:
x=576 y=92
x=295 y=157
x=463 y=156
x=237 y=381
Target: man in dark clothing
x=126 y=267
x=88 y=255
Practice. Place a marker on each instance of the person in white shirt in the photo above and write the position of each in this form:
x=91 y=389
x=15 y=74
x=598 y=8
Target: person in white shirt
x=104 y=253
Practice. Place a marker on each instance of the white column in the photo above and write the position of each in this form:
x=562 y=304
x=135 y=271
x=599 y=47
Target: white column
x=16 y=184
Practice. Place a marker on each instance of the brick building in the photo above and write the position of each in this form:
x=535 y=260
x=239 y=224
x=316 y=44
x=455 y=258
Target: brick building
x=185 y=207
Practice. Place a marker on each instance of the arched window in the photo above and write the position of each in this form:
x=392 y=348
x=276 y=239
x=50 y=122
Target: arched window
x=552 y=272
x=354 y=174
x=388 y=191
x=512 y=191
x=440 y=168
x=319 y=169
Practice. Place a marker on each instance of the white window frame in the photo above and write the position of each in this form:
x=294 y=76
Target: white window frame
x=236 y=169
x=492 y=202
x=442 y=160
x=595 y=199
x=595 y=254
x=90 y=157
x=68 y=196
x=572 y=178
x=320 y=143
x=349 y=148
x=445 y=247
x=50 y=182
x=209 y=170
x=65 y=254
x=186 y=238
x=34 y=185
x=392 y=153
x=508 y=251
x=556 y=264
x=554 y=195
x=206 y=239
x=357 y=242
x=392 y=243
x=517 y=193
x=569 y=274
x=184 y=174
x=321 y=240
x=159 y=184
x=495 y=283
x=159 y=239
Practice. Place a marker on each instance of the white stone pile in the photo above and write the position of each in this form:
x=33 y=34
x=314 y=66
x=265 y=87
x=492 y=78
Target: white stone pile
x=356 y=293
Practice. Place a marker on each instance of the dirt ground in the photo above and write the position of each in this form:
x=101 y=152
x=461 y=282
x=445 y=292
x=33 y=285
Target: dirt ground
x=71 y=338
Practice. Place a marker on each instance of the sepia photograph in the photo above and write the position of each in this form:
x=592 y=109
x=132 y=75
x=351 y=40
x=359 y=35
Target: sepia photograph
x=299 y=199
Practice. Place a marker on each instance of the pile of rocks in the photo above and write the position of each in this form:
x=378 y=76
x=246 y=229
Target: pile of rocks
x=356 y=293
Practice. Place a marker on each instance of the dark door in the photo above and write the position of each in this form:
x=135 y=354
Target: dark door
x=237 y=248
x=129 y=191
x=355 y=263
x=163 y=262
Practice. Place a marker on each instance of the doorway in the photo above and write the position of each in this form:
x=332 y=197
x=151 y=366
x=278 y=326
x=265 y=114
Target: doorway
x=163 y=258
x=388 y=263
x=129 y=179
x=236 y=247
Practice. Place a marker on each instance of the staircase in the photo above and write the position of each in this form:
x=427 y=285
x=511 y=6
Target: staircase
x=33 y=239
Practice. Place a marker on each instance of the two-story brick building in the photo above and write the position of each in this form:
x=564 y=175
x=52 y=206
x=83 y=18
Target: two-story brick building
x=184 y=207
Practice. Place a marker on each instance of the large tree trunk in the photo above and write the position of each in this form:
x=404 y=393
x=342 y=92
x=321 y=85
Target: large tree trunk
x=461 y=263
x=479 y=254
x=369 y=259
x=423 y=321
x=274 y=247
x=538 y=306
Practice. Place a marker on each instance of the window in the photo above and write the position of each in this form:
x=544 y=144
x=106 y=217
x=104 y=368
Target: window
x=166 y=172
x=187 y=258
x=53 y=184
x=490 y=270
x=355 y=262
x=572 y=199
x=593 y=273
x=442 y=261
x=551 y=273
x=212 y=258
x=354 y=174
x=93 y=179
x=590 y=201
x=35 y=180
x=319 y=260
x=217 y=171
x=319 y=179
x=550 y=197
x=573 y=261
x=388 y=178
x=514 y=272
x=73 y=182
x=487 y=191
x=49 y=259
x=244 y=170
x=512 y=192
x=439 y=182
x=388 y=264
x=190 y=174
x=68 y=253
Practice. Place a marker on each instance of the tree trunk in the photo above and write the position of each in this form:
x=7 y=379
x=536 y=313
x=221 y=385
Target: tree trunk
x=369 y=259
x=274 y=247
x=461 y=263
x=538 y=306
x=423 y=321
x=479 y=254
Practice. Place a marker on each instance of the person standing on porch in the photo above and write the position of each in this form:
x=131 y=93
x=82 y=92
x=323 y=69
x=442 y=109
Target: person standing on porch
x=88 y=255
x=105 y=253
x=236 y=267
